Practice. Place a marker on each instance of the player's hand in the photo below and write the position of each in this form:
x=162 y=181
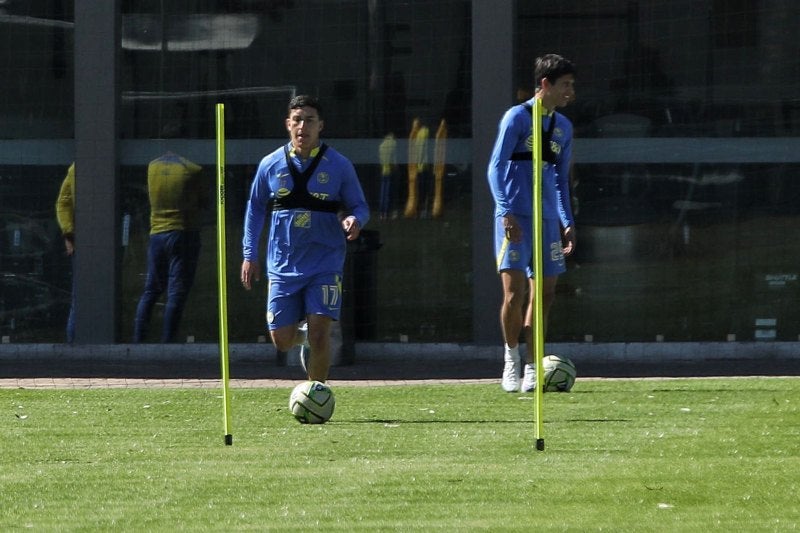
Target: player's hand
x=512 y=227
x=69 y=245
x=251 y=272
x=351 y=228
x=568 y=240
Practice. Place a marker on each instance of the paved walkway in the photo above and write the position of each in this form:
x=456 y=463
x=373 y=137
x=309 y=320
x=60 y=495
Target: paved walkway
x=129 y=383
x=54 y=371
x=87 y=375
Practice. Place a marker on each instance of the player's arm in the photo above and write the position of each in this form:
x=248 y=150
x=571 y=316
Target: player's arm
x=508 y=136
x=254 y=218
x=355 y=203
x=563 y=168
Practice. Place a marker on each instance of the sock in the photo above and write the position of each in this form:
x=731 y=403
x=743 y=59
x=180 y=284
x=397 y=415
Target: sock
x=511 y=354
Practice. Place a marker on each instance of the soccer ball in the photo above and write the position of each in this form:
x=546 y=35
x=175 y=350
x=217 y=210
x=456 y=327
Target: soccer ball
x=559 y=374
x=312 y=402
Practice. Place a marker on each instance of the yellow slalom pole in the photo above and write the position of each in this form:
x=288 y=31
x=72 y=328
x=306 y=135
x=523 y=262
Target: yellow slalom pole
x=538 y=261
x=221 y=274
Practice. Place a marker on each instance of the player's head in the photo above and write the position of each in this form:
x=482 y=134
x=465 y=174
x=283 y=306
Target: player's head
x=304 y=123
x=552 y=67
x=555 y=80
x=305 y=100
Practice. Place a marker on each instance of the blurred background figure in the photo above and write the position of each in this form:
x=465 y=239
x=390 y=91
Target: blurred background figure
x=439 y=159
x=387 y=153
x=178 y=193
x=65 y=214
x=419 y=174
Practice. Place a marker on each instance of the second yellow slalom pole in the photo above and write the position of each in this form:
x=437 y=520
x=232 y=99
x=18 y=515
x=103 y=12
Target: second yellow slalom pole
x=538 y=260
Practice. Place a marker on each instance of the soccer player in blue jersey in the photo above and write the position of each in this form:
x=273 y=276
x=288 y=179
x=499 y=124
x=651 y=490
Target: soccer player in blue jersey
x=510 y=176
x=315 y=202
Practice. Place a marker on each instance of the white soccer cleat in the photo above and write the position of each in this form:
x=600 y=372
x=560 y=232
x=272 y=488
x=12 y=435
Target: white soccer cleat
x=510 y=382
x=529 y=378
x=305 y=348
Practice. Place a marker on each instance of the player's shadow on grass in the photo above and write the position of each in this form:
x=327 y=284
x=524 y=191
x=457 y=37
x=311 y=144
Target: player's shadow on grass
x=398 y=421
x=587 y=420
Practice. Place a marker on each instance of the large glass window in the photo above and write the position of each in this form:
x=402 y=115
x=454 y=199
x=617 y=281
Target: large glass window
x=383 y=70
x=686 y=167
x=686 y=156
x=36 y=85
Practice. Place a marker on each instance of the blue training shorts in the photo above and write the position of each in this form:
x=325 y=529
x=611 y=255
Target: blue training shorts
x=519 y=256
x=291 y=299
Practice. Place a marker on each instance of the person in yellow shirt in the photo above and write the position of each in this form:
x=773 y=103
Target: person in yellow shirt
x=65 y=215
x=418 y=172
x=178 y=194
x=387 y=153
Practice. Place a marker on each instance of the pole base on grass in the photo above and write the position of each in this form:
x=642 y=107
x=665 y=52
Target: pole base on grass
x=228 y=440
x=540 y=444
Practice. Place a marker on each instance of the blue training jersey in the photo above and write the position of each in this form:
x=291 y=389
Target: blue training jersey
x=302 y=241
x=511 y=181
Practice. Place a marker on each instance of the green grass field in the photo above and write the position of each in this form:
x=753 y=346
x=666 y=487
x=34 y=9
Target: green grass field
x=621 y=455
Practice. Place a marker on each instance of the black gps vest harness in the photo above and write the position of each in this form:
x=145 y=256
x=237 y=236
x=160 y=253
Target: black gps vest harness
x=547 y=135
x=299 y=197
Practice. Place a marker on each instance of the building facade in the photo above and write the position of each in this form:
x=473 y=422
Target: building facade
x=687 y=126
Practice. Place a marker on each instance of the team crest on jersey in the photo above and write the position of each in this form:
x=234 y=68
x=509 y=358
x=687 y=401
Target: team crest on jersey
x=302 y=219
x=323 y=177
x=554 y=146
x=283 y=191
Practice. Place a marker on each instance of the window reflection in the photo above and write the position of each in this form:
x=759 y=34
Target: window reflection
x=683 y=171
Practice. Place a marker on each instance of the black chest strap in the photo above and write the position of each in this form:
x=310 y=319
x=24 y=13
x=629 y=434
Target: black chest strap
x=299 y=197
x=547 y=135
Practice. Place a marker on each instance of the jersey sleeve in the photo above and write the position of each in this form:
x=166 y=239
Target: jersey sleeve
x=563 y=168
x=255 y=213
x=508 y=137
x=353 y=198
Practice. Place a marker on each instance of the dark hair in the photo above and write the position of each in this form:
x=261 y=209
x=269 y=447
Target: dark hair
x=552 y=67
x=304 y=100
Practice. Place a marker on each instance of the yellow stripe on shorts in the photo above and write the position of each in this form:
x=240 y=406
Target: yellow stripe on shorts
x=503 y=250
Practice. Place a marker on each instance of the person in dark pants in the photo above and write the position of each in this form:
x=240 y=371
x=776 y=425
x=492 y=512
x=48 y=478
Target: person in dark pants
x=178 y=194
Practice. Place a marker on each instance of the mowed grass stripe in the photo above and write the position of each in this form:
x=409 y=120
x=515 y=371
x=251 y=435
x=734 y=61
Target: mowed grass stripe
x=634 y=455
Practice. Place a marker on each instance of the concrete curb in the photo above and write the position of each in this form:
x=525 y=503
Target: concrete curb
x=595 y=353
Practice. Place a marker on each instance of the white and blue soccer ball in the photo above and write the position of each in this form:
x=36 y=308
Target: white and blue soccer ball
x=312 y=402
x=559 y=374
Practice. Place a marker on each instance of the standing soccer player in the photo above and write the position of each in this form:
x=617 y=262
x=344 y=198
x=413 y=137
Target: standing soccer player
x=178 y=193
x=316 y=202
x=510 y=176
